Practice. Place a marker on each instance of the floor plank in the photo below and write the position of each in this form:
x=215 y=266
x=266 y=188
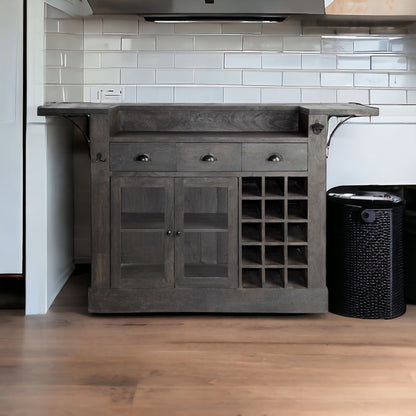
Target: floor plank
x=69 y=362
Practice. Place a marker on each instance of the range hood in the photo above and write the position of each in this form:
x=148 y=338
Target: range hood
x=210 y=10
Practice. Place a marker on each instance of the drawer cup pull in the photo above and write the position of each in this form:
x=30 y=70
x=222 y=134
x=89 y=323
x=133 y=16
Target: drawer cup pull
x=143 y=158
x=275 y=158
x=209 y=158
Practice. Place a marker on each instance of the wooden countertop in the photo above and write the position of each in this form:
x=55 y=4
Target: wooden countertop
x=339 y=110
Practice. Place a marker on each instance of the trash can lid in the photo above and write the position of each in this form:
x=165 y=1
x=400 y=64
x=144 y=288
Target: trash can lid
x=368 y=198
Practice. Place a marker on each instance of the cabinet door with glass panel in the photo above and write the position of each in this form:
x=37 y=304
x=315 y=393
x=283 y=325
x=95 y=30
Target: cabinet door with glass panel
x=142 y=232
x=206 y=238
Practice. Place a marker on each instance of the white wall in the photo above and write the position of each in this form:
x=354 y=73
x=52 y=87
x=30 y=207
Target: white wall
x=49 y=258
x=11 y=138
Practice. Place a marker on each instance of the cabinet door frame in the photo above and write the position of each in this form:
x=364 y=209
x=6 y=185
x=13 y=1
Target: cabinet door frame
x=119 y=182
x=231 y=281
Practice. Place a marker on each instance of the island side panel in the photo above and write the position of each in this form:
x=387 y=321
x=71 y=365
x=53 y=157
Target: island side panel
x=100 y=202
x=317 y=201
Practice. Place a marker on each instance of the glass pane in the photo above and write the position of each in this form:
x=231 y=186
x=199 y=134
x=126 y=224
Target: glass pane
x=142 y=208
x=205 y=209
x=142 y=257
x=206 y=254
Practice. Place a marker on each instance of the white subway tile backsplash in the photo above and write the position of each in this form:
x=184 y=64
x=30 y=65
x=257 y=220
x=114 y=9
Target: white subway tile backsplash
x=241 y=95
x=388 y=97
x=411 y=97
x=319 y=61
x=73 y=94
x=287 y=27
x=262 y=78
x=73 y=26
x=238 y=28
x=54 y=93
x=337 y=79
x=392 y=63
x=242 y=60
x=371 y=45
x=73 y=59
x=318 y=95
x=64 y=42
x=282 y=61
x=218 y=77
x=280 y=95
x=53 y=76
x=129 y=94
x=119 y=60
x=155 y=95
x=174 y=76
x=230 y=62
x=54 y=58
x=102 y=43
x=197 y=28
x=102 y=76
x=337 y=45
x=353 y=62
x=403 y=80
x=120 y=25
x=198 y=95
x=144 y=43
x=302 y=43
x=137 y=76
x=175 y=43
x=301 y=79
x=353 y=96
x=218 y=42
x=371 y=80
x=262 y=43
x=198 y=60
x=405 y=45
x=93 y=25
x=72 y=76
x=156 y=60
x=51 y=25
x=92 y=60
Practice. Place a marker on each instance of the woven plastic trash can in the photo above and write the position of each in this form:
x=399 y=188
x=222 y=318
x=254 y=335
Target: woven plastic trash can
x=365 y=274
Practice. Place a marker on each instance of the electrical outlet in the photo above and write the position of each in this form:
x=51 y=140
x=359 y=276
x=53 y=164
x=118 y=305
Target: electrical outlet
x=107 y=94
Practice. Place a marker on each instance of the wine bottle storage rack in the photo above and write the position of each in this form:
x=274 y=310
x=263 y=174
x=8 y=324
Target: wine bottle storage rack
x=274 y=232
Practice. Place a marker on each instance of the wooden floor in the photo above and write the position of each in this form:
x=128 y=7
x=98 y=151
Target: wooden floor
x=71 y=363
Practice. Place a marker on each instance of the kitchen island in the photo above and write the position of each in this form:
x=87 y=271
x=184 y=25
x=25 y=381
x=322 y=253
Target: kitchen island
x=208 y=208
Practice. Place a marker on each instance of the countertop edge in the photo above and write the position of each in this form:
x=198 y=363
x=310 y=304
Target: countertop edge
x=329 y=109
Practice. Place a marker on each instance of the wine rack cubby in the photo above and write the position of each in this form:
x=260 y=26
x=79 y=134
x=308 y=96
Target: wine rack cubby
x=274 y=232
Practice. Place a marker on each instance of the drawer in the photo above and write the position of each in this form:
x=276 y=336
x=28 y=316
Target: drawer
x=143 y=157
x=202 y=157
x=275 y=157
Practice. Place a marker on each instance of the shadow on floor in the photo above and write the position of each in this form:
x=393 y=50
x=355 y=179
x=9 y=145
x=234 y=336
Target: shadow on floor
x=74 y=294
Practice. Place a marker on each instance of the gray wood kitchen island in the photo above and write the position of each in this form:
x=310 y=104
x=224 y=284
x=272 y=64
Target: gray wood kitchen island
x=208 y=208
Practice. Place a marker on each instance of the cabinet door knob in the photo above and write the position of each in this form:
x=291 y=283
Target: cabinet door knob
x=143 y=158
x=169 y=232
x=275 y=158
x=178 y=233
x=209 y=158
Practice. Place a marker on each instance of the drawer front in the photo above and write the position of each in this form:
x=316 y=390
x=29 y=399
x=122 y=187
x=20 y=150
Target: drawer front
x=209 y=157
x=143 y=157
x=275 y=157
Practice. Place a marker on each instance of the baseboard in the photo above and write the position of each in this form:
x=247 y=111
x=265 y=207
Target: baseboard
x=58 y=284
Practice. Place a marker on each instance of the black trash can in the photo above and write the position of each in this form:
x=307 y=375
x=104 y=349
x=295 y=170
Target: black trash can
x=365 y=275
